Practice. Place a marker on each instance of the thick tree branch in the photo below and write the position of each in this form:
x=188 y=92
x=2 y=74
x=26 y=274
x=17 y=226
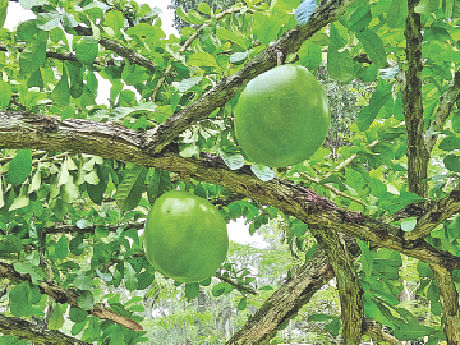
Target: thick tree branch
x=285 y=302
x=450 y=304
x=67 y=295
x=413 y=104
x=38 y=335
x=155 y=140
x=24 y=130
x=434 y=214
x=350 y=292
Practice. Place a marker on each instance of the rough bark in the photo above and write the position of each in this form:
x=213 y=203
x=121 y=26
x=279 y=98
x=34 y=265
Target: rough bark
x=38 y=335
x=432 y=213
x=350 y=292
x=450 y=304
x=419 y=151
x=24 y=130
x=67 y=295
x=413 y=105
x=285 y=302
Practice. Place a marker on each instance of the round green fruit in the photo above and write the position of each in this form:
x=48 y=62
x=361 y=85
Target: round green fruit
x=282 y=116
x=185 y=237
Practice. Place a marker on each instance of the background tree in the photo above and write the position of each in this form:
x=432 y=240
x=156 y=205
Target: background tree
x=77 y=177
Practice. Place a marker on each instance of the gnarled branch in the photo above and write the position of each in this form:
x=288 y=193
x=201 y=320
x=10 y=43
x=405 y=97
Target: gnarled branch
x=24 y=130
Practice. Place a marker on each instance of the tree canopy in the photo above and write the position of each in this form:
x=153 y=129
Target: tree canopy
x=78 y=177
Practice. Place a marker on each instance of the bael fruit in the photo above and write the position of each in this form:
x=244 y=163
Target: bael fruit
x=185 y=237
x=282 y=116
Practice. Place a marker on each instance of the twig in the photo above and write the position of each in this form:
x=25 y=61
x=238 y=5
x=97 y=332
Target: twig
x=189 y=41
x=67 y=295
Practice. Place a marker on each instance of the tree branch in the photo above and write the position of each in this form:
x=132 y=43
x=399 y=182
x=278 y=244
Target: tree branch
x=450 y=304
x=433 y=215
x=24 y=130
x=413 y=104
x=155 y=140
x=189 y=41
x=38 y=335
x=442 y=113
x=350 y=292
x=67 y=295
x=285 y=302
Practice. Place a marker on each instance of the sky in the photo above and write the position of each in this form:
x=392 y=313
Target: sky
x=237 y=229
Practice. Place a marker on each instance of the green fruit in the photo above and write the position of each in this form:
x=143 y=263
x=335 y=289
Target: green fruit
x=185 y=237
x=282 y=116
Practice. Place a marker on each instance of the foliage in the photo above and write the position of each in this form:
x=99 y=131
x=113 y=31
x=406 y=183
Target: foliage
x=74 y=219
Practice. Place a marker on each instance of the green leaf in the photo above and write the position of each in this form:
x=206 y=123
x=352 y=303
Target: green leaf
x=397 y=13
x=129 y=191
x=78 y=327
x=243 y=303
x=85 y=300
x=339 y=64
x=93 y=331
x=192 y=290
x=130 y=277
x=373 y=45
x=86 y=50
x=360 y=18
x=33 y=56
x=56 y=320
x=266 y=27
x=61 y=93
x=204 y=8
x=202 y=59
x=78 y=315
x=310 y=55
x=22 y=297
x=310 y=252
x=117 y=336
x=379 y=98
x=186 y=84
x=354 y=179
x=114 y=19
x=95 y=192
x=424 y=270
x=450 y=144
x=20 y=167
x=221 y=288
x=5 y=94
x=62 y=249
x=239 y=57
x=412 y=331
x=3 y=10
x=452 y=163
x=232 y=36
x=426 y=6
x=334 y=327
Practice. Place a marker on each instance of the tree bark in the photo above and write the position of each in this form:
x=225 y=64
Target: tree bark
x=413 y=105
x=350 y=292
x=24 y=130
x=450 y=304
x=285 y=302
x=38 y=335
